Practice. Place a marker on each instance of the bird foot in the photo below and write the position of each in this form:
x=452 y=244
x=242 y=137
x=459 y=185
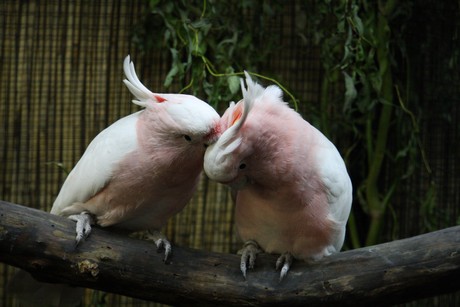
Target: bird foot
x=160 y=241
x=83 y=228
x=284 y=263
x=248 y=255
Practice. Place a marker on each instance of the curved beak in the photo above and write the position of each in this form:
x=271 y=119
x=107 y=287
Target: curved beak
x=212 y=136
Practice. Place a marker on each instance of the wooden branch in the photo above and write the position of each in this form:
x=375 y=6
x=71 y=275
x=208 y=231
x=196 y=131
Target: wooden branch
x=394 y=272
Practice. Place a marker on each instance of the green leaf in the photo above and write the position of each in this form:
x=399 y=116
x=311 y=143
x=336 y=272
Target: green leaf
x=357 y=22
x=170 y=76
x=233 y=84
x=350 y=91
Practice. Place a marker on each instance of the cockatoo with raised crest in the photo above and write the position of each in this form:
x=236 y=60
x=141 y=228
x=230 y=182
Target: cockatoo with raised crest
x=134 y=175
x=293 y=192
x=142 y=169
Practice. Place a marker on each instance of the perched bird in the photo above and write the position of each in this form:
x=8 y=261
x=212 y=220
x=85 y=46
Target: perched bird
x=142 y=169
x=134 y=175
x=293 y=193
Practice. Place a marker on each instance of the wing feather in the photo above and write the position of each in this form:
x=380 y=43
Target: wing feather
x=339 y=188
x=94 y=170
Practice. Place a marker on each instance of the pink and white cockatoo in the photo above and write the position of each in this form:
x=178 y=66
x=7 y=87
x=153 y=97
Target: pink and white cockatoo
x=293 y=192
x=134 y=175
x=142 y=169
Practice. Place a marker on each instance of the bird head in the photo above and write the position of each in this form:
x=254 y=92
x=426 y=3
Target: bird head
x=225 y=160
x=175 y=116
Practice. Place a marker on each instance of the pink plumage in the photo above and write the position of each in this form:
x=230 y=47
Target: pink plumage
x=293 y=192
x=134 y=175
x=144 y=168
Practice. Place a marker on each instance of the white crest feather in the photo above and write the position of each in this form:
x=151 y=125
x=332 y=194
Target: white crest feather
x=253 y=92
x=135 y=86
x=231 y=105
x=228 y=149
x=250 y=95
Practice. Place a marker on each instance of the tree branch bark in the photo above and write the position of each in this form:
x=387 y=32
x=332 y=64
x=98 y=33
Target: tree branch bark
x=394 y=272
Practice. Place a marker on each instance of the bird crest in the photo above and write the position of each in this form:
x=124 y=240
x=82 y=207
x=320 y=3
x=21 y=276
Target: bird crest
x=240 y=111
x=220 y=157
x=188 y=114
x=135 y=86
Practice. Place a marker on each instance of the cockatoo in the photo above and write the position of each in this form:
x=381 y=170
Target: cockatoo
x=293 y=192
x=142 y=169
x=134 y=175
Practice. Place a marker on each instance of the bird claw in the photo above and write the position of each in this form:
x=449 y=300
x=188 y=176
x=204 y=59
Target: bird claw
x=284 y=263
x=83 y=227
x=248 y=255
x=160 y=241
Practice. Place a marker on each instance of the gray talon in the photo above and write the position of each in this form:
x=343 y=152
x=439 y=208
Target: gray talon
x=84 y=222
x=248 y=256
x=160 y=241
x=284 y=262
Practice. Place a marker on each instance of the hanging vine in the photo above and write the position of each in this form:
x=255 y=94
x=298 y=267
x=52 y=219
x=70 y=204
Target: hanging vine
x=210 y=43
x=361 y=42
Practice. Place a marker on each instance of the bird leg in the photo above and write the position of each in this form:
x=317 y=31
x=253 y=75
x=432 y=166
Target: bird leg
x=83 y=228
x=284 y=262
x=160 y=241
x=248 y=255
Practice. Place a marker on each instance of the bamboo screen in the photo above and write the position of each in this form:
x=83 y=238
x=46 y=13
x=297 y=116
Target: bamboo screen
x=61 y=84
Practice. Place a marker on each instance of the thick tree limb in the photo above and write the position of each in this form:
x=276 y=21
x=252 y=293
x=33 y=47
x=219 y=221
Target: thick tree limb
x=394 y=272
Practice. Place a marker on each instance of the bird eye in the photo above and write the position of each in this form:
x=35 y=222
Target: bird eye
x=187 y=138
x=242 y=166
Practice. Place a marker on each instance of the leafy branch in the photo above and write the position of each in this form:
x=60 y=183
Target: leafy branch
x=357 y=41
x=210 y=43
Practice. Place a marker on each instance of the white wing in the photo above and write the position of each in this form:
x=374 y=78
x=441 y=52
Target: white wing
x=340 y=191
x=95 y=167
